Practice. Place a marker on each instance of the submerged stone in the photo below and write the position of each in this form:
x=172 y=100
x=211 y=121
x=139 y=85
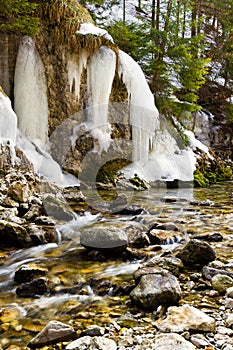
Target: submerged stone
x=222 y=282
x=38 y=286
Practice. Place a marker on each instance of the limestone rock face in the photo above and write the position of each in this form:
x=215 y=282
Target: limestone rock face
x=185 y=318
x=156 y=289
x=53 y=332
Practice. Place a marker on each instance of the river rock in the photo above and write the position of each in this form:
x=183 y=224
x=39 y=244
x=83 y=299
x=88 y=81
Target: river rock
x=209 y=272
x=27 y=273
x=13 y=235
x=185 y=318
x=166 y=341
x=38 y=286
x=221 y=283
x=163 y=237
x=167 y=226
x=157 y=289
x=196 y=253
x=89 y=343
x=170 y=263
x=94 y=330
x=53 y=332
x=136 y=237
x=104 y=238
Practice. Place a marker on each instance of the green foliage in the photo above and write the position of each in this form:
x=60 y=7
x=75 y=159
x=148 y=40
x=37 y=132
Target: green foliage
x=19 y=16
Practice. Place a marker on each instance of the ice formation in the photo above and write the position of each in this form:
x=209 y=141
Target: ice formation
x=30 y=104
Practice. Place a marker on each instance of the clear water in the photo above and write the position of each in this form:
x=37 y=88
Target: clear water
x=68 y=264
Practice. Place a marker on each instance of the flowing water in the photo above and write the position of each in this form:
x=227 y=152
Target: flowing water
x=192 y=210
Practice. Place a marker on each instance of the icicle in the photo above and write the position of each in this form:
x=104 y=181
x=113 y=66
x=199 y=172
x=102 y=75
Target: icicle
x=31 y=105
x=144 y=116
x=75 y=68
x=100 y=75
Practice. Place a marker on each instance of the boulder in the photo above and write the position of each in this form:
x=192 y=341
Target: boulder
x=104 y=238
x=13 y=235
x=53 y=332
x=170 y=263
x=136 y=237
x=221 y=283
x=163 y=237
x=88 y=343
x=166 y=341
x=209 y=272
x=196 y=253
x=38 y=286
x=186 y=318
x=157 y=289
x=26 y=273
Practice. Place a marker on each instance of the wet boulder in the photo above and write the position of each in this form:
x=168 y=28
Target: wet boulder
x=104 y=238
x=136 y=237
x=196 y=253
x=13 y=235
x=53 y=332
x=186 y=318
x=163 y=237
x=159 y=288
x=38 y=286
x=27 y=273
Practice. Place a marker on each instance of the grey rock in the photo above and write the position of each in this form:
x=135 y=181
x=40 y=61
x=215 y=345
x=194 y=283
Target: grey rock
x=92 y=343
x=166 y=341
x=209 y=272
x=156 y=289
x=221 y=283
x=103 y=238
x=185 y=318
x=53 y=332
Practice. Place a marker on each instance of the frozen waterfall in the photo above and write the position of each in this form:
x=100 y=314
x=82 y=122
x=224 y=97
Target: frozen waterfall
x=30 y=104
x=100 y=75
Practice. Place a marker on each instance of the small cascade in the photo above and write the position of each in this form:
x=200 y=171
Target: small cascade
x=144 y=116
x=100 y=75
x=31 y=105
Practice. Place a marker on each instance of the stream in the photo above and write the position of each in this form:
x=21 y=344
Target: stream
x=194 y=211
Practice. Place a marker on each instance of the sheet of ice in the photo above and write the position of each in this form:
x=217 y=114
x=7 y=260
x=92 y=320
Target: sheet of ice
x=8 y=121
x=44 y=165
x=8 y=126
x=30 y=103
x=100 y=74
x=89 y=28
x=166 y=161
x=144 y=116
